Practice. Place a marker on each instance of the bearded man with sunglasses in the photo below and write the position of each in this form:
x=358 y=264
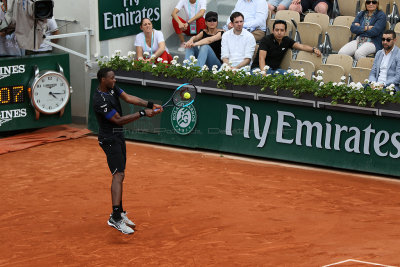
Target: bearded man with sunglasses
x=386 y=67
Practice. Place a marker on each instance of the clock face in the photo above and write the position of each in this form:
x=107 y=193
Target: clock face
x=50 y=92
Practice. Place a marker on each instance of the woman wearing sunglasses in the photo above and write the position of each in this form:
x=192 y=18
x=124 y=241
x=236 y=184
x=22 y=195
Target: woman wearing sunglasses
x=368 y=26
x=206 y=46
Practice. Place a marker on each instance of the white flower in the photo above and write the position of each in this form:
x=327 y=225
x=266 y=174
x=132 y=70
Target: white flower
x=140 y=58
x=289 y=70
x=131 y=54
x=177 y=65
x=321 y=84
x=117 y=52
x=215 y=72
x=214 y=67
x=266 y=68
x=105 y=57
x=248 y=73
x=302 y=69
x=125 y=57
x=343 y=78
x=195 y=61
x=256 y=71
x=133 y=63
x=96 y=55
x=366 y=81
x=391 y=86
x=173 y=62
x=334 y=84
x=340 y=83
x=262 y=72
x=276 y=72
x=227 y=77
x=159 y=59
x=391 y=93
x=112 y=56
x=320 y=72
x=153 y=66
x=185 y=61
x=176 y=58
x=165 y=61
x=146 y=54
x=319 y=78
x=302 y=74
x=205 y=68
x=153 y=57
x=192 y=58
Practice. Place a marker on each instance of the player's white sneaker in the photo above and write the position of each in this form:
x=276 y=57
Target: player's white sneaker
x=126 y=219
x=120 y=226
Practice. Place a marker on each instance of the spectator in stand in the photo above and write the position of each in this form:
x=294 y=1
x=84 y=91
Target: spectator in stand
x=255 y=13
x=8 y=41
x=386 y=67
x=206 y=46
x=368 y=26
x=195 y=10
x=51 y=29
x=152 y=42
x=238 y=45
x=273 y=48
x=319 y=6
x=276 y=5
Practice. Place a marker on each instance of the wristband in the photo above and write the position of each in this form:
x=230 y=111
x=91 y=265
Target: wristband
x=150 y=105
x=142 y=113
x=313 y=50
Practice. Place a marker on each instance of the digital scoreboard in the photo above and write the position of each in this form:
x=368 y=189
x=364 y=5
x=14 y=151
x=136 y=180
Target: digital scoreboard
x=12 y=94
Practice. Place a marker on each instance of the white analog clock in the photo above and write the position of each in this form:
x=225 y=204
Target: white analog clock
x=49 y=92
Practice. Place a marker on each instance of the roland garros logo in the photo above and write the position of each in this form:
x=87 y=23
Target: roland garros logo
x=184 y=119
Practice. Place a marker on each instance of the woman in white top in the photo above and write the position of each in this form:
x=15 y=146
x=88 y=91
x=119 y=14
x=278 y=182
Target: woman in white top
x=152 y=42
x=194 y=23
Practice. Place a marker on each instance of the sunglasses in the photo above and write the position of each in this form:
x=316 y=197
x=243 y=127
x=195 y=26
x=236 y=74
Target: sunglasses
x=386 y=39
x=212 y=20
x=371 y=2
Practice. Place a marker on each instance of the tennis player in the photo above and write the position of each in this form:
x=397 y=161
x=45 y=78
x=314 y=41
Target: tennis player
x=107 y=107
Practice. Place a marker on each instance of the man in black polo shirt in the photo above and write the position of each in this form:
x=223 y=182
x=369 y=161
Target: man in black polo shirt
x=273 y=47
x=107 y=107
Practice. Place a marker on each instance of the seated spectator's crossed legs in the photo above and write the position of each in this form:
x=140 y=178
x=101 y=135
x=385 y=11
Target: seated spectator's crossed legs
x=352 y=49
x=200 y=25
x=205 y=56
x=276 y=5
x=319 y=6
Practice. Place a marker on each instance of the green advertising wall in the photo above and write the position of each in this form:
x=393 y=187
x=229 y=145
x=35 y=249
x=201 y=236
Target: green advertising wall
x=274 y=130
x=120 y=18
x=16 y=111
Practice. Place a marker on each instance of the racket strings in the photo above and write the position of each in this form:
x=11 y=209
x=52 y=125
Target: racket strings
x=185 y=95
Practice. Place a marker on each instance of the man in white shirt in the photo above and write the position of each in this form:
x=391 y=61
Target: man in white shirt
x=255 y=13
x=51 y=29
x=238 y=45
x=386 y=67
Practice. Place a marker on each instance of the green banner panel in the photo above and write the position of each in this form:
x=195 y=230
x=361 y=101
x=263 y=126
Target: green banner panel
x=122 y=17
x=16 y=110
x=272 y=130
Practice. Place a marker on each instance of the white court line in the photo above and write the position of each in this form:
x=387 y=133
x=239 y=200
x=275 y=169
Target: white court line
x=351 y=260
x=293 y=165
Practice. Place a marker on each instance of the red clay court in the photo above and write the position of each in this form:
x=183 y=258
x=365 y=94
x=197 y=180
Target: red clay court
x=191 y=209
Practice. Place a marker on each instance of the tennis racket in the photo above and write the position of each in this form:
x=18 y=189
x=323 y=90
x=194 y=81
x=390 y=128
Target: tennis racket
x=183 y=96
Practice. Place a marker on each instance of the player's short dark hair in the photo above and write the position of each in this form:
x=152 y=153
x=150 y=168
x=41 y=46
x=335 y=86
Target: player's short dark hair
x=235 y=15
x=279 y=21
x=102 y=73
x=392 y=32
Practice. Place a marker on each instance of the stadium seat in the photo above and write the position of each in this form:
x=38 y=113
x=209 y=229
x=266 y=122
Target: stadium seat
x=286 y=60
x=309 y=33
x=359 y=74
x=318 y=18
x=339 y=36
x=344 y=61
x=306 y=56
x=343 y=21
x=348 y=7
x=383 y=4
x=365 y=62
x=307 y=66
x=332 y=72
x=288 y=15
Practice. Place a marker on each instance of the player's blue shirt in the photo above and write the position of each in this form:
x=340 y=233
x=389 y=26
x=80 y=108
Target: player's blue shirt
x=105 y=105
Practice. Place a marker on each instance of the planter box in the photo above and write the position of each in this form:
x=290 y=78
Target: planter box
x=161 y=81
x=199 y=83
x=287 y=97
x=245 y=91
x=133 y=77
x=347 y=107
x=389 y=109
